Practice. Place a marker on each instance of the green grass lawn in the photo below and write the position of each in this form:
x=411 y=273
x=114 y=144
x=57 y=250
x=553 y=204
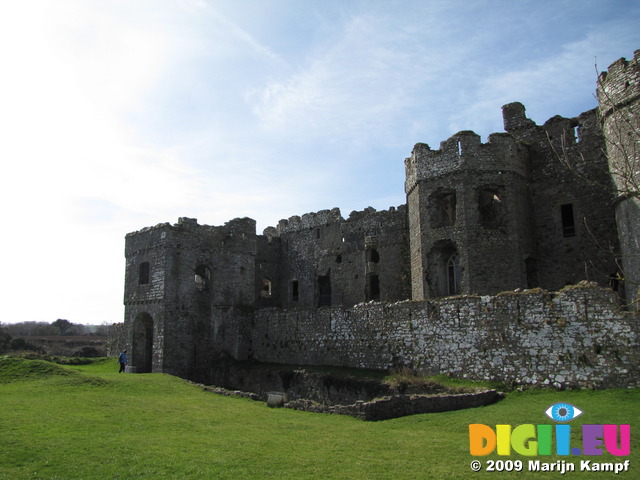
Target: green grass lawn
x=89 y=422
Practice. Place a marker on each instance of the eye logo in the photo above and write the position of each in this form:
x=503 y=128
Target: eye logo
x=562 y=412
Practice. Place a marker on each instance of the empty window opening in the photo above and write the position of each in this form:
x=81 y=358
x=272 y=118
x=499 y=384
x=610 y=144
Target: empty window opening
x=373 y=255
x=318 y=233
x=324 y=291
x=373 y=292
x=143 y=273
x=568 y=223
x=339 y=259
x=454 y=275
x=459 y=148
x=202 y=278
x=443 y=209
x=265 y=291
x=295 y=291
x=576 y=133
x=490 y=208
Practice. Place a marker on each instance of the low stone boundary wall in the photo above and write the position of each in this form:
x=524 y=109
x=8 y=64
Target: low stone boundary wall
x=577 y=337
x=401 y=405
x=384 y=408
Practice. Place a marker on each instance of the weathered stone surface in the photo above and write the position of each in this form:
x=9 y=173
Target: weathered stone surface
x=417 y=285
x=619 y=98
x=576 y=337
x=401 y=405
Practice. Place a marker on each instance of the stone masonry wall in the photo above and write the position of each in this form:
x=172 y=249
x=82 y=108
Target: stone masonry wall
x=469 y=200
x=575 y=337
x=619 y=99
x=584 y=245
x=323 y=259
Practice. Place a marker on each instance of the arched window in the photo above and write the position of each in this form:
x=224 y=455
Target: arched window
x=454 y=275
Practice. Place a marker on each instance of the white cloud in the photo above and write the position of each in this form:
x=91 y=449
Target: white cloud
x=354 y=86
x=119 y=115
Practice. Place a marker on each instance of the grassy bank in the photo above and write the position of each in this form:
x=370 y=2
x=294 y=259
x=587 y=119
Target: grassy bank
x=88 y=422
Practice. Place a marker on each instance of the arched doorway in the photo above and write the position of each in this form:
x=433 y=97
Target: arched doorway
x=445 y=274
x=142 y=346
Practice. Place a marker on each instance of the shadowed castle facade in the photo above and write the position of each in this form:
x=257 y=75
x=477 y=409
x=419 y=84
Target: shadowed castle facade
x=480 y=219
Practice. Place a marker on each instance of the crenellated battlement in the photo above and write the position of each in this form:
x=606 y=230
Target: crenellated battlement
x=323 y=218
x=309 y=220
x=164 y=234
x=463 y=152
x=620 y=85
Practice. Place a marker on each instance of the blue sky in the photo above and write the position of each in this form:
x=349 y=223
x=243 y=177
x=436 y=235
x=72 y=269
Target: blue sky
x=121 y=114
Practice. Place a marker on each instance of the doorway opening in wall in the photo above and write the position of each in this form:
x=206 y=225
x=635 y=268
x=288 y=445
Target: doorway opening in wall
x=324 y=291
x=373 y=288
x=372 y=255
x=444 y=273
x=531 y=269
x=142 y=347
x=295 y=291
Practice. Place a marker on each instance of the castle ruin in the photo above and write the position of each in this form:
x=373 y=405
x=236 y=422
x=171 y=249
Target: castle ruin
x=503 y=264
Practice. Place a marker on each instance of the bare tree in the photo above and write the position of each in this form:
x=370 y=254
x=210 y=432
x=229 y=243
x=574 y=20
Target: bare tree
x=619 y=120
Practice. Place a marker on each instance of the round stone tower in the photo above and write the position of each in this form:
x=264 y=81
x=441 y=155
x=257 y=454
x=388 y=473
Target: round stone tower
x=619 y=105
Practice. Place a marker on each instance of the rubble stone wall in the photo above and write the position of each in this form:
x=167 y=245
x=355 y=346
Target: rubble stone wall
x=575 y=337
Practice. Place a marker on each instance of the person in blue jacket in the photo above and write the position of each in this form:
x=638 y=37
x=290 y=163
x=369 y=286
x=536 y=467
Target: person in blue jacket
x=122 y=360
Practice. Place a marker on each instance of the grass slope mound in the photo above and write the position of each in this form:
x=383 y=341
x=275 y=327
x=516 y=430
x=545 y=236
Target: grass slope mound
x=15 y=369
x=155 y=426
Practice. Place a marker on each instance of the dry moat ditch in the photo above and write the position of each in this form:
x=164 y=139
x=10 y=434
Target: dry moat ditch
x=368 y=395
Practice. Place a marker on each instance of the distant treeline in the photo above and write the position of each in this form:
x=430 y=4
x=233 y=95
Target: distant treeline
x=59 y=327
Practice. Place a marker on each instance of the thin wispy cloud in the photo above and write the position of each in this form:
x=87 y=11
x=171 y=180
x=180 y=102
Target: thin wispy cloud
x=119 y=115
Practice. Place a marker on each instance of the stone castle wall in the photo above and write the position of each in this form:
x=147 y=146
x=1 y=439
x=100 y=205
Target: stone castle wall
x=576 y=337
x=322 y=259
x=568 y=173
x=532 y=209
